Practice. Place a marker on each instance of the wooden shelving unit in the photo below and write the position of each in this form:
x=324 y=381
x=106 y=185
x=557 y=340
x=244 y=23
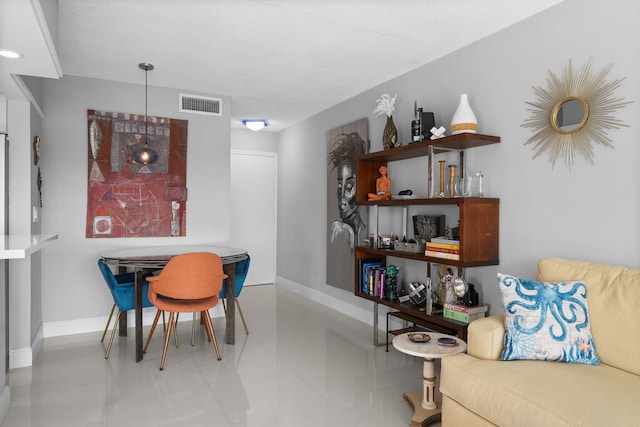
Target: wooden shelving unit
x=479 y=227
x=478 y=221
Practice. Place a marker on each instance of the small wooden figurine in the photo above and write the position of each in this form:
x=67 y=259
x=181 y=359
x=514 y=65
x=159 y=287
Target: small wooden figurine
x=383 y=186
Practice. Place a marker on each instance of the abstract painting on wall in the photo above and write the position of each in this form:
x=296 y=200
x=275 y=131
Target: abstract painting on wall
x=346 y=221
x=128 y=199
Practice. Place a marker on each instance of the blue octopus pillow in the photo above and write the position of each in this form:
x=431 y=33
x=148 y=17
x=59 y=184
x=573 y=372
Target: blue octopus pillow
x=546 y=321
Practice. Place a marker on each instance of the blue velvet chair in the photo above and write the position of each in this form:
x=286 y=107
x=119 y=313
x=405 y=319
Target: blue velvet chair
x=242 y=268
x=122 y=287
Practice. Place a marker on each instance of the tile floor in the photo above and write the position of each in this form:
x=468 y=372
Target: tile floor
x=302 y=365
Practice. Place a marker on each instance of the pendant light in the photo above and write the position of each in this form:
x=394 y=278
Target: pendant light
x=145 y=155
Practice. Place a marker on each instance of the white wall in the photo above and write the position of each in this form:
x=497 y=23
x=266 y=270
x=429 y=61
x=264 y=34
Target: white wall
x=248 y=140
x=72 y=287
x=590 y=213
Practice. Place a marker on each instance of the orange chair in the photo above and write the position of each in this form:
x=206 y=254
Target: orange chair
x=189 y=283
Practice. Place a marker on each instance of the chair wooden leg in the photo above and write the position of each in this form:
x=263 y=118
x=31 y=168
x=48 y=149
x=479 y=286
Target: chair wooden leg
x=205 y=325
x=175 y=331
x=244 y=322
x=113 y=334
x=106 y=327
x=209 y=325
x=153 y=329
x=166 y=341
x=193 y=329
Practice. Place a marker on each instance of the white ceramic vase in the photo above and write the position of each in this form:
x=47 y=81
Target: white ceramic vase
x=463 y=119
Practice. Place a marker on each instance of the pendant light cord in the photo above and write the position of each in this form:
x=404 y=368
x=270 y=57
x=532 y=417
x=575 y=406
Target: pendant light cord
x=146 y=103
x=145 y=155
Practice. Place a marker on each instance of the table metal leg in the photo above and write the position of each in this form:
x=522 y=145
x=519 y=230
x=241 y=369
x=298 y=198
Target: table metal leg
x=230 y=332
x=386 y=337
x=122 y=323
x=375 y=324
x=138 y=291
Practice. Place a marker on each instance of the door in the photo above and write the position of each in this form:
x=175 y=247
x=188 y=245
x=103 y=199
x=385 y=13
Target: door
x=253 y=211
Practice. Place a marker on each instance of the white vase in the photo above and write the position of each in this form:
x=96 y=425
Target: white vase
x=463 y=119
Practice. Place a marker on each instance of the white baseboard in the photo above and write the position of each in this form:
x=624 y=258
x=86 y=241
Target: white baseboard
x=36 y=343
x=358 y=313
x=21 y=357
x=97 y=324
x=5 y=401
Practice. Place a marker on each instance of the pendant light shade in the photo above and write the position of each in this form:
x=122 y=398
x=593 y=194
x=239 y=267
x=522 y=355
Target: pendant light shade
x=145 y=155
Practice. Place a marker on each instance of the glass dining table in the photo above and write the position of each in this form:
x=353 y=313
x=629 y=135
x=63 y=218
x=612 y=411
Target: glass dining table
x=156 y=257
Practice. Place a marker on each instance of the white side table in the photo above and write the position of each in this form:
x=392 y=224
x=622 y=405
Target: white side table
x=425 y=407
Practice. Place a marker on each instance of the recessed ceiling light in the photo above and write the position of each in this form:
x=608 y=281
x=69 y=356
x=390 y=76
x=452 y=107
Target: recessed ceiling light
x=254 y=124
x=9 y=54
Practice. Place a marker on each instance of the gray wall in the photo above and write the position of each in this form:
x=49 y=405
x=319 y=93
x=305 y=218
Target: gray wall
x=72 y=287
x=24 y=274
x=590 y=213
x=36 y=258
x=544 y=212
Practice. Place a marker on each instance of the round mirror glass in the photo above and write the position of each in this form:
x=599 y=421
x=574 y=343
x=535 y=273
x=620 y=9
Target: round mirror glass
x=570 y=115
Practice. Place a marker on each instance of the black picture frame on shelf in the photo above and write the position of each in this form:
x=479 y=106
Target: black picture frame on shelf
x=427 y=121
x=427 y=226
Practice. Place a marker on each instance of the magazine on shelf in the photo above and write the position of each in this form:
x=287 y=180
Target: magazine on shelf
x=446 y=240
x=467 y=309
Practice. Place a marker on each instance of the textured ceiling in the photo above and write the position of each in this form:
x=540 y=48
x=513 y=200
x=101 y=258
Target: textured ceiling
x=279 y=60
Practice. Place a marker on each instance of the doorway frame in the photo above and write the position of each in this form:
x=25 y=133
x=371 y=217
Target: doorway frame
x=274 y=155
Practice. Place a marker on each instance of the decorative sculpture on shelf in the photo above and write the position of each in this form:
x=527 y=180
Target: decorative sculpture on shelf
x=437 y=133
x=390 y=134
x=383 y=186
x=391 y=283
x=447 y=283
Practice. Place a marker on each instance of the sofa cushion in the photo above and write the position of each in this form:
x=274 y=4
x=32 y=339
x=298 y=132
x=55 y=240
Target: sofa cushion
x=546 y=321
x=535 y=393
x=613 y=294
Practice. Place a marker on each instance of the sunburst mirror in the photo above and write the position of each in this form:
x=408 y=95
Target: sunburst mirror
x=572 y=113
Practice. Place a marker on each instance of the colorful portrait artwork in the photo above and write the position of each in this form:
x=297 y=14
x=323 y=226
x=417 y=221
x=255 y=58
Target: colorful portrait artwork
x=346 y=221
x=128 y=199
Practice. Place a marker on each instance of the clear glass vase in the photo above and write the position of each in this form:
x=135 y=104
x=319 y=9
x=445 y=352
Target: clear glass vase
x=474 y=184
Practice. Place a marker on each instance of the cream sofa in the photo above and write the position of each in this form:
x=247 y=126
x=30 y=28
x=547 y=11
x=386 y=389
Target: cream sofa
x=479 y=389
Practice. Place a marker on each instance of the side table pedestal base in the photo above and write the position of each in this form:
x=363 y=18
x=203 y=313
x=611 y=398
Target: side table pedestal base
x=421 y=417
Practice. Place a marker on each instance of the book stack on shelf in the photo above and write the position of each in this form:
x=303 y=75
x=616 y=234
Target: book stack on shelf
x=463 y=313
x=441 y=247
x=373 y=278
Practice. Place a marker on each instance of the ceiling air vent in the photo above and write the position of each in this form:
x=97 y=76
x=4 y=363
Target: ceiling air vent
x=200 y=105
